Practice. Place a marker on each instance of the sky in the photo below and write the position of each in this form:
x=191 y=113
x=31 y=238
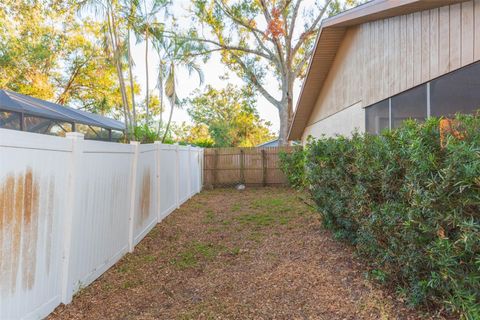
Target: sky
x=212 y=70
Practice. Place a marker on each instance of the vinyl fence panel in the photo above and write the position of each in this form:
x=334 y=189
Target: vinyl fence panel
x=99 y=236
x=146 y=211
x=184 y=173
x=71 y=208
x=168 y=180
x=33 y=172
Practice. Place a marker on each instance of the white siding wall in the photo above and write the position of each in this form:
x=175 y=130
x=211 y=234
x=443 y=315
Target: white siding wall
x=340 y=123
x=70 y=209
x=379 y=59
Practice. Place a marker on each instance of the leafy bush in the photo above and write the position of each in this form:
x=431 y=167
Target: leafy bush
x=408 y=203
x=293 y=165
x=145 y=134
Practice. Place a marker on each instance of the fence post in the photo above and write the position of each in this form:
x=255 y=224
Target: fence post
x=133 y=191
x=202 y=168
x=189 y=172
x=242 y=166
x=264 y=168
x=177 y=175
x=215 y=168
x=158 y=146
x=73 y=182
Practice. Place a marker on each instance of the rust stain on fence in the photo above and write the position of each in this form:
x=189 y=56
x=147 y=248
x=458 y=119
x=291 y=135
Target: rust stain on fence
x=145 y=196
x=19 y=216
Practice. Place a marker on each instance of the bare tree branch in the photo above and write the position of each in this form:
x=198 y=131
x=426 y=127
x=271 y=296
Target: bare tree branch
x=254 y=79
x=311 y=31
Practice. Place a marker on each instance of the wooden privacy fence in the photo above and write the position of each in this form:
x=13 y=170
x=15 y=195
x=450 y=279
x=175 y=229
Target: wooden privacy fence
x=249 y=166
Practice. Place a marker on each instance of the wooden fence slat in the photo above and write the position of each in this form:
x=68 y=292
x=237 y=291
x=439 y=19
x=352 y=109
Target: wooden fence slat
x=249 y=166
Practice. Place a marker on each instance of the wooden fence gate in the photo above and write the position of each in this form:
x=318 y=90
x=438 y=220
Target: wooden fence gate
x=249 y=166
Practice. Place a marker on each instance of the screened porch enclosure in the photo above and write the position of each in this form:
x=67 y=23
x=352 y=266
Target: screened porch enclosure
x=25 y=113
x=454 y=92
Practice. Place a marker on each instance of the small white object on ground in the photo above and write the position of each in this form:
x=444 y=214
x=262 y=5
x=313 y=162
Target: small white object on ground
x=240 y=187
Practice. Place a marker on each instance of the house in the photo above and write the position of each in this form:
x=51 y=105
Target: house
x=271 y=143
x=25 y=113
x=389 y=60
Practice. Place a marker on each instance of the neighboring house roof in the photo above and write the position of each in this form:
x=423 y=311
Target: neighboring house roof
x=12 y=101
x=271 y=143
x=330 y=36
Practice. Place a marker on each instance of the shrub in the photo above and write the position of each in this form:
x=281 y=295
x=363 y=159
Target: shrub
x=145 y=134
x=293 y=165
x=408 y=203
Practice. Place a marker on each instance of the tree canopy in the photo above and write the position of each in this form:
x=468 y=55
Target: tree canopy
x=230 y=116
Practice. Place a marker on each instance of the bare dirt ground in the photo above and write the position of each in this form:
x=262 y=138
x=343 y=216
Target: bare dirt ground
x=228 y=254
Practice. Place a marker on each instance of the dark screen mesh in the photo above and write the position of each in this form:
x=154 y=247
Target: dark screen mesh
x=10 y=120
x=456 y=92
x=411 y=104
x=377 y=117
x=47 y=126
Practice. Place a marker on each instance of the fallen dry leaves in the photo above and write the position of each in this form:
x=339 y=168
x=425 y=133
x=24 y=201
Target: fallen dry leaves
x=228 y=254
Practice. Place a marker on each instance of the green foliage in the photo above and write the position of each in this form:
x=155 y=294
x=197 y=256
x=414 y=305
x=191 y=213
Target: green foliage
x=145 y=134
x=196 y=135
x=230 y=116
x=293 y=165
x=47 y=53
x=410 y=207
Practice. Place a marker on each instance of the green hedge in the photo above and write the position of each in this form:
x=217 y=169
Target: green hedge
x=409 y=206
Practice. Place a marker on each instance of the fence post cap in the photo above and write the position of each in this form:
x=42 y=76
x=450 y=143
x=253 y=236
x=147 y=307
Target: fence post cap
x=75 y=135
x=135 y=143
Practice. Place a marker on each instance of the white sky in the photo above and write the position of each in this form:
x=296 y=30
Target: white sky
x=212 y=70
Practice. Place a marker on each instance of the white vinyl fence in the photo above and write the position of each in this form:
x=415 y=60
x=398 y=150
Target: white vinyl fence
x=71 y=208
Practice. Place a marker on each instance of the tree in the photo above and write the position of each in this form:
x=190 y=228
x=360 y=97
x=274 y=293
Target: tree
x=88 y=79
x=230 y=116
x=46 y=53
x=145 y=26
x=113 y=25
x=258 y=38
x=196 y=134
x=175 y=53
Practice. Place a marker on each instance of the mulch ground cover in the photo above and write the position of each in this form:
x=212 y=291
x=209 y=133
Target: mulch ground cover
x=228 y=254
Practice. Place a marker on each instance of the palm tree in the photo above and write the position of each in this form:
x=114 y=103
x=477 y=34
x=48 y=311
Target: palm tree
x=147 y=25
x=175 y=53
x=108 y=10
x=129 y=10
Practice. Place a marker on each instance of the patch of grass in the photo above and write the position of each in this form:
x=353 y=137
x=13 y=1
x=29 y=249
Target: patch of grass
x=235 y=251
x=149 y=258
x=284 y=220
x=236 y=207
x=268 y=203
x=185 y=260
x=209 y=217
x=260 y=219
x=194 y=253
x=256 y=236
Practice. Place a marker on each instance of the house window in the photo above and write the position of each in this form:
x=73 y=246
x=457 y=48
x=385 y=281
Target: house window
x=377 y=117
x=411 y=104
x=456 y=92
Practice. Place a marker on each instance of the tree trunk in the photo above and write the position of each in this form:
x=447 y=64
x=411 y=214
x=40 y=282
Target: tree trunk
x=160 y=94
x=147 y=97
x=284 y=123
x=116 y=56
x=169 y=120
x=134 y=112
